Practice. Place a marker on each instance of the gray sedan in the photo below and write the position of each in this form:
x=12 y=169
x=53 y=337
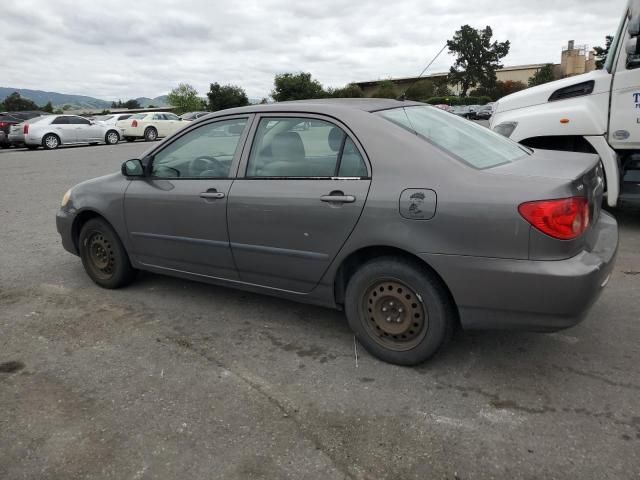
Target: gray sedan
x=409 y=219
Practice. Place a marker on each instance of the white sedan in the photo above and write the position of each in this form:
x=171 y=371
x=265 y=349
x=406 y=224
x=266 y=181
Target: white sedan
x=150 y=126
x=54 y=130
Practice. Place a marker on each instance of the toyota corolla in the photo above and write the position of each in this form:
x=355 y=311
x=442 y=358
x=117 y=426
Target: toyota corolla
x=409 y=219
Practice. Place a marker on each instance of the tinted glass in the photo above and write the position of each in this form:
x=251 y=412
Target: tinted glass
x=158 y=116
x=352 y=164
x=123 y=117
x=206 y=152
x=60 y=121
x=295 y=147
x=171 y=116
x=473 y=144
x=79 y=121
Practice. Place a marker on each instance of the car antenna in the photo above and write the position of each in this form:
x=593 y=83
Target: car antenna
x=403 y=97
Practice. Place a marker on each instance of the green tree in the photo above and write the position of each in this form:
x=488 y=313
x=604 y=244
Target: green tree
x=349 y=91
x=58 y=111
x=47 y=108
x=477 y=57
x=601 y=52
x=543 y=75
x=421 y=90
x=131 y=104
x=222 y=97
x=298 y=86
x=499 y=89
x=264 y=101
x=15 y=103
x=184 y=98
x=2 y=107
x=386 y=89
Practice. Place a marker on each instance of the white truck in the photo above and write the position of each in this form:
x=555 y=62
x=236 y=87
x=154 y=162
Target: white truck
x=598 y=112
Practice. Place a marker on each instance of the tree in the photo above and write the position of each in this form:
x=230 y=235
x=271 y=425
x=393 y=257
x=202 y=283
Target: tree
x=2 y=107
x=543 y=75
x=131 y=104
x=386 y=89
x=421 y=90
x=264 y=101
x=222 y=97
x=184 y=98
x=299 y=86
x=601 y=52
x=499 y=89
x=349 y=91
x=477 y=58
x=15 y=103
x=47 y=108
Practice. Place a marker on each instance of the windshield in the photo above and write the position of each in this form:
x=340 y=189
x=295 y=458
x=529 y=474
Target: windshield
x=469 y=142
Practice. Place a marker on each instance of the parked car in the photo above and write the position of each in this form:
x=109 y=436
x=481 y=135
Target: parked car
x=483 y=113
x=445 y=107
x=8 y=119
x=52 y=131
x=16 y=131
x=149 y=126
x=112 y=119
x=407 y=218
x=461 y=110
x=191 y=116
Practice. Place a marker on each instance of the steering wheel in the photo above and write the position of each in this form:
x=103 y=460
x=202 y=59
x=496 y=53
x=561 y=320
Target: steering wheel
x=201 y=164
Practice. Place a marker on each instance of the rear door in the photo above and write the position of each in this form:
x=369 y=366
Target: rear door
x=177 y=218
x=304 y=184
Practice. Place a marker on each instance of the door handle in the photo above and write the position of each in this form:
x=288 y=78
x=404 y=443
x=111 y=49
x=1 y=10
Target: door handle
x=338 y=197
x=212 y=193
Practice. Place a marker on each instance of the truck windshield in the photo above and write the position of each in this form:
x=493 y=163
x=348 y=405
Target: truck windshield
x=467 y=141
x=608 y=64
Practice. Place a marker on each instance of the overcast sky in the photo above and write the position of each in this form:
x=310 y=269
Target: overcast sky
x=125 y=49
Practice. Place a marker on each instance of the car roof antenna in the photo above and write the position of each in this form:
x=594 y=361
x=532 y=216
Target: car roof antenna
x=403 y=97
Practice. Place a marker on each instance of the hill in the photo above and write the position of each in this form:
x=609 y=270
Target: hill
x=77 y=102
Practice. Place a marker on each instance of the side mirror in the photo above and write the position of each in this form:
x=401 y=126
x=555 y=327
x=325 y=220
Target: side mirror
x=132 y=168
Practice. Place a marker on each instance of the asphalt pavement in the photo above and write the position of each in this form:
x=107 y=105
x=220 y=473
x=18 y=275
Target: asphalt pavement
x=172 y=379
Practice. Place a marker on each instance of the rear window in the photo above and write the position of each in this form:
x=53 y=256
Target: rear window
x=467 y=141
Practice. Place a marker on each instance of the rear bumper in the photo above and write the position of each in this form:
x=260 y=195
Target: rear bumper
x=15 y=139
x=64 y=225
x=495 y=293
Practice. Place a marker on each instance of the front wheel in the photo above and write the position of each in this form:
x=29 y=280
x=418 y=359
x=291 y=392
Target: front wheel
x=150 y=134
x=112 y=137
x=103 y=256
x=400 y=312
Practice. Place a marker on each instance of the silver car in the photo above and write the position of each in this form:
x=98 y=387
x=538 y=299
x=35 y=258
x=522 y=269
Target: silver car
x=408 y=218
x=52 y=131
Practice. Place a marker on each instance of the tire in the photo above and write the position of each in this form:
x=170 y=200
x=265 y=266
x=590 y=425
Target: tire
x=50 y=141
x=103 y=256
x=150 y=134
x=112 y=137
x=389 y=298
x=130 y=139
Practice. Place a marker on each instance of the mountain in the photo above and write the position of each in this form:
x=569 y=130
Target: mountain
x=77 y=102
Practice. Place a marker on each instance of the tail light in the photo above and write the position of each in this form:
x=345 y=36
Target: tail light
x=134 y=123
x=25 y=129
x=563 y=218
x=4 y=124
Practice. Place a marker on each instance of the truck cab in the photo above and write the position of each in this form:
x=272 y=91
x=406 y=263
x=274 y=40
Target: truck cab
x=598 y=112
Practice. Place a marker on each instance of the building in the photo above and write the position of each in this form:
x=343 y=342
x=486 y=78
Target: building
x=574 y=61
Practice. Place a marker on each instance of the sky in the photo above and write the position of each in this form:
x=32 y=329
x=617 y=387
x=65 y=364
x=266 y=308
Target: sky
x=126 y=49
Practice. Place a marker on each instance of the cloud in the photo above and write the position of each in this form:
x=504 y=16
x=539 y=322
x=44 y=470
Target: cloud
x=124 y=49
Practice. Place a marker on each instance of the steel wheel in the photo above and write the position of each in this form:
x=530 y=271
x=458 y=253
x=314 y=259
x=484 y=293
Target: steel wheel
x=101 y=255
x=51 y=142
x=112 y=138
x=396 y=317
x=150 y=134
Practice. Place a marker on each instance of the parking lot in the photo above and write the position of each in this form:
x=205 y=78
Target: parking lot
x=174 y=379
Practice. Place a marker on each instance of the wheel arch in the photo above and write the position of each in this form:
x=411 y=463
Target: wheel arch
x=109 y=130
x=50 y=133
x=355 y=259
x=81 y=219
x=565 y=143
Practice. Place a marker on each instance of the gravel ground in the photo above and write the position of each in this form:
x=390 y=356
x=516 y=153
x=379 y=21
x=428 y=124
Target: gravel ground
x=174 y=379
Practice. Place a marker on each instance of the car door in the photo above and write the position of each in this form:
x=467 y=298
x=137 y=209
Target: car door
x=62 y=127
x=85 y=131
x=173 y=123
x=158 y=121
x=177 y=216
x=304 y=186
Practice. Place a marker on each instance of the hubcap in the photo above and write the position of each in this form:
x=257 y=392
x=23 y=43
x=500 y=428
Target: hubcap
x=112 y=137
x=101 y=254
x=51 y=141
x=395 y=315
x=151 y=134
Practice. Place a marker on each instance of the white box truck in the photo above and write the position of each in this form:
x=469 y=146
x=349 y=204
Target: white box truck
x=597 y=112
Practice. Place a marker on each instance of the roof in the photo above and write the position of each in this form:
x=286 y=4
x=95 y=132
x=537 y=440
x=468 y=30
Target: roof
x=324 y=104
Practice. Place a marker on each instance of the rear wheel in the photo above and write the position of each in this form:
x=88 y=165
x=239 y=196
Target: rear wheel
x=150 y=134
x=400 y=312
x=103 y=256
x=112 y=137
x=50 y=141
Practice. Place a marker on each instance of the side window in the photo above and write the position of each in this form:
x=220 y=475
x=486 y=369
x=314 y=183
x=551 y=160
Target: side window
x=158 y=116
x=60 y=121
x=206 y=152
x=79 y=121
x=171 y=116
x=302 y=148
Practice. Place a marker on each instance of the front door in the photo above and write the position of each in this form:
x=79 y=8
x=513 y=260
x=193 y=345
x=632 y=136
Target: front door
x=305 y=185
x=177 y=217
x=85 y=131
x=65 y=130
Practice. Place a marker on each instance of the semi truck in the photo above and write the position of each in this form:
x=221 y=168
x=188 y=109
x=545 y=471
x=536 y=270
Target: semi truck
x=597 y=112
